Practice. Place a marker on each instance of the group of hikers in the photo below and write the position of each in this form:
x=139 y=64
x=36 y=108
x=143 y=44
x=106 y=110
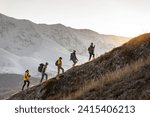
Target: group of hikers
x=42 y=67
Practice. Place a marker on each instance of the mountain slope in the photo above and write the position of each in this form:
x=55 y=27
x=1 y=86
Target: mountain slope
x=130 y=82
x=72 y=81
x=36 y=43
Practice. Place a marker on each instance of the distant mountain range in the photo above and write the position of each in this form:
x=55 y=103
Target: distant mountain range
x=24 y=44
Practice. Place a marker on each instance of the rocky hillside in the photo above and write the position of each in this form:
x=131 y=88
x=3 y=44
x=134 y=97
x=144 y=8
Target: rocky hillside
x=85 y=81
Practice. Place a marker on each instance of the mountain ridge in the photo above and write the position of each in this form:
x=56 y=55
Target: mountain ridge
x=77 y=77
x=38 y=43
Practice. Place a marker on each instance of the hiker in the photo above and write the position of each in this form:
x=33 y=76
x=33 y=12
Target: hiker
x=26 y=79
x=59 y=65
x=43 y=70
x=73 y=58
x=91 y=51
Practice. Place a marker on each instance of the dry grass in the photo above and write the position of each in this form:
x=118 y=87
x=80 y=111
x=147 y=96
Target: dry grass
x=108 y=78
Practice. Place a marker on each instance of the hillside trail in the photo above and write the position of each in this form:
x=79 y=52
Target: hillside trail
x=57 y=78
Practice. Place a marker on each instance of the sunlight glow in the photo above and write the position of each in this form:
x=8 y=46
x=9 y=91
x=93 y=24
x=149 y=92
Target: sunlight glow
x=117 y=17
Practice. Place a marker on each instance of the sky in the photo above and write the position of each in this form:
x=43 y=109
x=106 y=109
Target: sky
x=117 y=17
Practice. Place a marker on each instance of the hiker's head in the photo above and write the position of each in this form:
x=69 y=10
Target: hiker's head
x=46 y=63
x=60 y=58
x=27 y=70
x=74 y=51
x=91 y=43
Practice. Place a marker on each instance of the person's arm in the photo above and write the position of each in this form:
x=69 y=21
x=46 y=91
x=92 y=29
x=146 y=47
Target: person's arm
x=70 y=56
x=28 y=75
x=76 y=58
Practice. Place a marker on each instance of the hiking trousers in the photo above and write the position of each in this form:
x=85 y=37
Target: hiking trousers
x=74 y=62
x=59 y=67
x=44 y=74
x=26 y=81
x=91 y=54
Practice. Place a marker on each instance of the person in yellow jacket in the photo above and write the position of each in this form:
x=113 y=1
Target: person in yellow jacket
x=59 y=66
x=26 y=79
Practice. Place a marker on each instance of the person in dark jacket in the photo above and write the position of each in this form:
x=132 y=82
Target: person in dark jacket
x=91 y=51
x=73 y=58
x=26 y=79
x=43 y=72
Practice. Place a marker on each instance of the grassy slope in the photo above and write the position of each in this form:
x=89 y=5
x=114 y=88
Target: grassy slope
x=130 y=82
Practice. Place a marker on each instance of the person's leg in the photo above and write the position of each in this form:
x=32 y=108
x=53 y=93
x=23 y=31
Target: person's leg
x=74 y=63
x=46 y=76
x=23 y=85
x=93 y=56
x=62 y=69
x=58 y=67
x=28 y=83
x=42 y=77
x=90 y=56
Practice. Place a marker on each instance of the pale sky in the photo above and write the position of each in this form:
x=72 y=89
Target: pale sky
x=118 y=17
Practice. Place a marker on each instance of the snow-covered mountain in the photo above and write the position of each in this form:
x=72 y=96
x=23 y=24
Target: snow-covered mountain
x=24 y=44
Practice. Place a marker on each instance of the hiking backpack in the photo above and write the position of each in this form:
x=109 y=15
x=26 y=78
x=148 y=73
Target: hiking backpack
x=71 y=56
x=40 y=68
x=56 y=63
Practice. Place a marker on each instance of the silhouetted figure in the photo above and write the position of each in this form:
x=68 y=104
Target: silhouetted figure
x=73 y=58
x=26 y=79
x=91 y=51
x=43 y=72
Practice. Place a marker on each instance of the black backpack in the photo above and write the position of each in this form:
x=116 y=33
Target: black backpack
x=90 y=49
x=56 y=63
x=71 y=56
x=40 y=68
